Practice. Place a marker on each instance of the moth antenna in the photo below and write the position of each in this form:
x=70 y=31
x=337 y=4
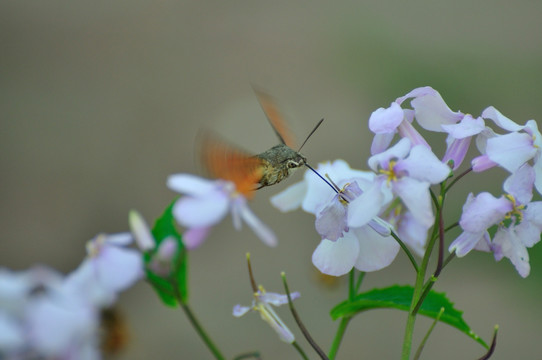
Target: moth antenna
x=320 y=176
x=312 y=132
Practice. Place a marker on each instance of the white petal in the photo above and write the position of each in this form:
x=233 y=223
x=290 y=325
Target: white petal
x=397 y=151
x=141 y=231
x=432 y=112
x=381 y=143
x=264 y=233
x=291 y=198
x=520 y=184
x=11 y=334
x=336 y=258
x=366 y=206
x=416 y=197
x=191 y=184
x=467 y=127
x=118 y=268
x=511 y=150
x=375 y=251
x=239 y=310
x=278 y=299
x=512 y=248
x=120 y=239
x=502 y=121
x=465 y=242
x=423 y=165
x=384 y=121
x=318 y=192
x=201 y=212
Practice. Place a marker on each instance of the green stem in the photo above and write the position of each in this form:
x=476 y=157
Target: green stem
x=195 y=323
x=406 y=250
x=418 y=287
x=338 y=338
x=300 y=350
x=201 y=332
x=422 y=344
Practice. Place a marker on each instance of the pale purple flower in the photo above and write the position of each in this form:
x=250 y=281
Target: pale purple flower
x=385 y=122
x=406 y=172
x=342 y=246
x=17 y=292
x=361 y=247
x=519 y=221
x=522 y=144
x=42 y=317
x=110 y=267
x=262 y=303
x=479 y=213
x=61 y=325
x=459 y=138
x=208 y=202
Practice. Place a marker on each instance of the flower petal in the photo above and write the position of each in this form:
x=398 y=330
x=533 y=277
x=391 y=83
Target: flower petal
x=336 y=258
x=331 y=221
x=190 y=184
x=432 y=112
x=465 y=242
x=511 y=150
x=511 y=247
x=416 y=197
x=291 y=198
x=194 y=237
x=201 y=212
x=239 y=310
x=520 y=184
x=375 y=251
x=383 y=121
x=264 y=233
x=502 y=121
x=423 y=165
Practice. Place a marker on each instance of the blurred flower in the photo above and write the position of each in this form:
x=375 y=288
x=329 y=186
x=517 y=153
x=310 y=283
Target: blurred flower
x=41 y=317
x=207 y=203
x=262 y=303
x=163 y=256
x=109 y=268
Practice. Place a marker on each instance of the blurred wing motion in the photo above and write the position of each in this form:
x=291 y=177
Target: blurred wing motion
x=225 y=161
x=276 y=120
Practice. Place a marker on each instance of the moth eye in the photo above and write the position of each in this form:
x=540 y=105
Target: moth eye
x=292 y=164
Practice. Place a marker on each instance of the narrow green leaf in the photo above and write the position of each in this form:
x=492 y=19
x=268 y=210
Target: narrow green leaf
x=399 y=297
x=176 y=284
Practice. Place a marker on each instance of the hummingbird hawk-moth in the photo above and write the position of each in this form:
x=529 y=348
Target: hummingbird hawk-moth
x=252 y=172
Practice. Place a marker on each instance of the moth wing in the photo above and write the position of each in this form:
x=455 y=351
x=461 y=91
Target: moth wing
x=275 y=118
x=226 y=161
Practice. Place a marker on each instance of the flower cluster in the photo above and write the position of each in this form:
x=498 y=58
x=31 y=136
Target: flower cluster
x=398 y=189
x=46 y=315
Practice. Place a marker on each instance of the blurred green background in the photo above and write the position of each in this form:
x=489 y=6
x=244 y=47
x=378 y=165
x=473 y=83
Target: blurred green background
x=100 y=101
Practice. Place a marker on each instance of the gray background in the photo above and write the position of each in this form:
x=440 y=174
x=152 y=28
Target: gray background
x=100 y=101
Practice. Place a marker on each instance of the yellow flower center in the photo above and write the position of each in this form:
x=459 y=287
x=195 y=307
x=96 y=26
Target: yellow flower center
x=390 y=172
x=516 y=212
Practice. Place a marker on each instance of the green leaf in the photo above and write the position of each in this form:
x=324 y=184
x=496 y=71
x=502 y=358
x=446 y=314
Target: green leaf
x=176 y=284
x=400 y=297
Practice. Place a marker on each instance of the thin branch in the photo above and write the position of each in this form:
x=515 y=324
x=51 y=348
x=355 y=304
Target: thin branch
x=302 y=327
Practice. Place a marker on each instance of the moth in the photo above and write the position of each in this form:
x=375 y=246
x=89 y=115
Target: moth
x=252 y=172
